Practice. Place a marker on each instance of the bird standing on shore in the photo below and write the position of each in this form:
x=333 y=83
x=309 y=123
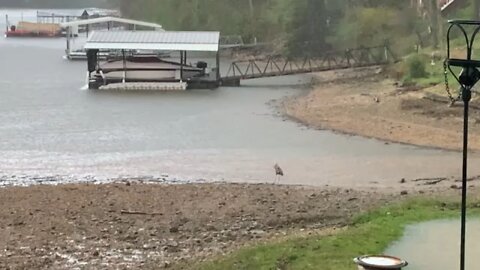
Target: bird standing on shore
x=278 y=173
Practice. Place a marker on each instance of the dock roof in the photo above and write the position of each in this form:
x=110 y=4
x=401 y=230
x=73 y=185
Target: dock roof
x=154 y=40
x=111 y=19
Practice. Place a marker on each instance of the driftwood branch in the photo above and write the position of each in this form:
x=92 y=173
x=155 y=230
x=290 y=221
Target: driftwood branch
x=124 y=212
x=430 y=179
x=474 y=178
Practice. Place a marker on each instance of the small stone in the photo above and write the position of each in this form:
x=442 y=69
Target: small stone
x=257 y=232
x=403 y=181
x=96 y=253
x=404 y=192
x=173 y=244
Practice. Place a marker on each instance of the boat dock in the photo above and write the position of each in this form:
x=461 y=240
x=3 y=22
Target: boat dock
x=129 y=72
x=108 y=24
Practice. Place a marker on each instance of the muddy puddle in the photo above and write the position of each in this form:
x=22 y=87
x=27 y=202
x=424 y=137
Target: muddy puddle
x=435 y=245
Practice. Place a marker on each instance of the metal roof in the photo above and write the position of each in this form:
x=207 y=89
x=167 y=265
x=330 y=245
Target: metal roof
x=154 y=40
x=110 y=19
x=79 y=12
x=452 y=4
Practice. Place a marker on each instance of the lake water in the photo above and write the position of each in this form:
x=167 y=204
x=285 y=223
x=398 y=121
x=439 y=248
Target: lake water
x=49 y=126
x=436 y=245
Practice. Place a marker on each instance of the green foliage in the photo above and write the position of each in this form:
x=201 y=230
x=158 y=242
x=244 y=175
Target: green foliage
x=370 y=234
x=416 y=65
x=52 y=3
x=265 y=20
x=309 y=28
x=302 y=27
x=370 y=26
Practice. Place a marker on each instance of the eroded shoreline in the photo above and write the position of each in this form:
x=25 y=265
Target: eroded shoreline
x=365 y=103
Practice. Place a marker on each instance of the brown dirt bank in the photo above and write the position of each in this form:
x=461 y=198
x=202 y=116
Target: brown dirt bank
x=373 y=106
x=134 y=226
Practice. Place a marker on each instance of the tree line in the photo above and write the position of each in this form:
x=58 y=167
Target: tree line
x=300 y=26
x=297 y=26
x=52 y=3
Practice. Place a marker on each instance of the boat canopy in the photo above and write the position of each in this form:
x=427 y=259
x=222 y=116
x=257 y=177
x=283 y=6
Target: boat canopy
x=154 y=40
x=111 y=19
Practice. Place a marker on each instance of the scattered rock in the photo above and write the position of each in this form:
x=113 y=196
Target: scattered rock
x=200 y=230
x=404 y=192
x=174 y=229
x=257 y=232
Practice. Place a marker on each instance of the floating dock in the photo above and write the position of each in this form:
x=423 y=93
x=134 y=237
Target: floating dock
x=139 y=86
x=29 y=29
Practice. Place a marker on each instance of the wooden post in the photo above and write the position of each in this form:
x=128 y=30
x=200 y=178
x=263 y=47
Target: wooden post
x=181 y=66
x=218 y=66
x=69 y=36
x=6 y=24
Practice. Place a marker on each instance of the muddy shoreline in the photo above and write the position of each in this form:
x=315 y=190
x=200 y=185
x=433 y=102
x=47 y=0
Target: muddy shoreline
x=132 y=225
x=148 y=223
x=365 y=103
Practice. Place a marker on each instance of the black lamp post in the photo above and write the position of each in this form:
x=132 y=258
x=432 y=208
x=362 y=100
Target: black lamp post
x=467 y=79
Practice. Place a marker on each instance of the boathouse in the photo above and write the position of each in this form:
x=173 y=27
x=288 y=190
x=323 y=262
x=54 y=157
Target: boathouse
x=143 y=71
x=108 y=23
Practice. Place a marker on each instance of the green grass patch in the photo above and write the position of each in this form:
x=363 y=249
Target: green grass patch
x=418 y=70
x=370 y=233
x=433 y=74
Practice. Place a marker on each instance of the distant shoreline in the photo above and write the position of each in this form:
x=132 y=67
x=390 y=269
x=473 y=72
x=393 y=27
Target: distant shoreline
x=369 y=105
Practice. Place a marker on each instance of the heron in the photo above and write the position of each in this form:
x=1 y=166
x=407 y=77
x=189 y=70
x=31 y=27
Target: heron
x=278 y=173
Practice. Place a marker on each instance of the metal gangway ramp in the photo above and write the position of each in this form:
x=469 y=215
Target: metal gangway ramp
x=273 y=66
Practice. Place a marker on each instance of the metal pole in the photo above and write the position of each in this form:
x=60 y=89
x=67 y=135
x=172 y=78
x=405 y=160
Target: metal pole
x=124 y=67
x=466 y=96
x=6 y=24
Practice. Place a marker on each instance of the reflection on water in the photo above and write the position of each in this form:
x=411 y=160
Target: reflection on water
x=49 y=126
x=436 y=245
